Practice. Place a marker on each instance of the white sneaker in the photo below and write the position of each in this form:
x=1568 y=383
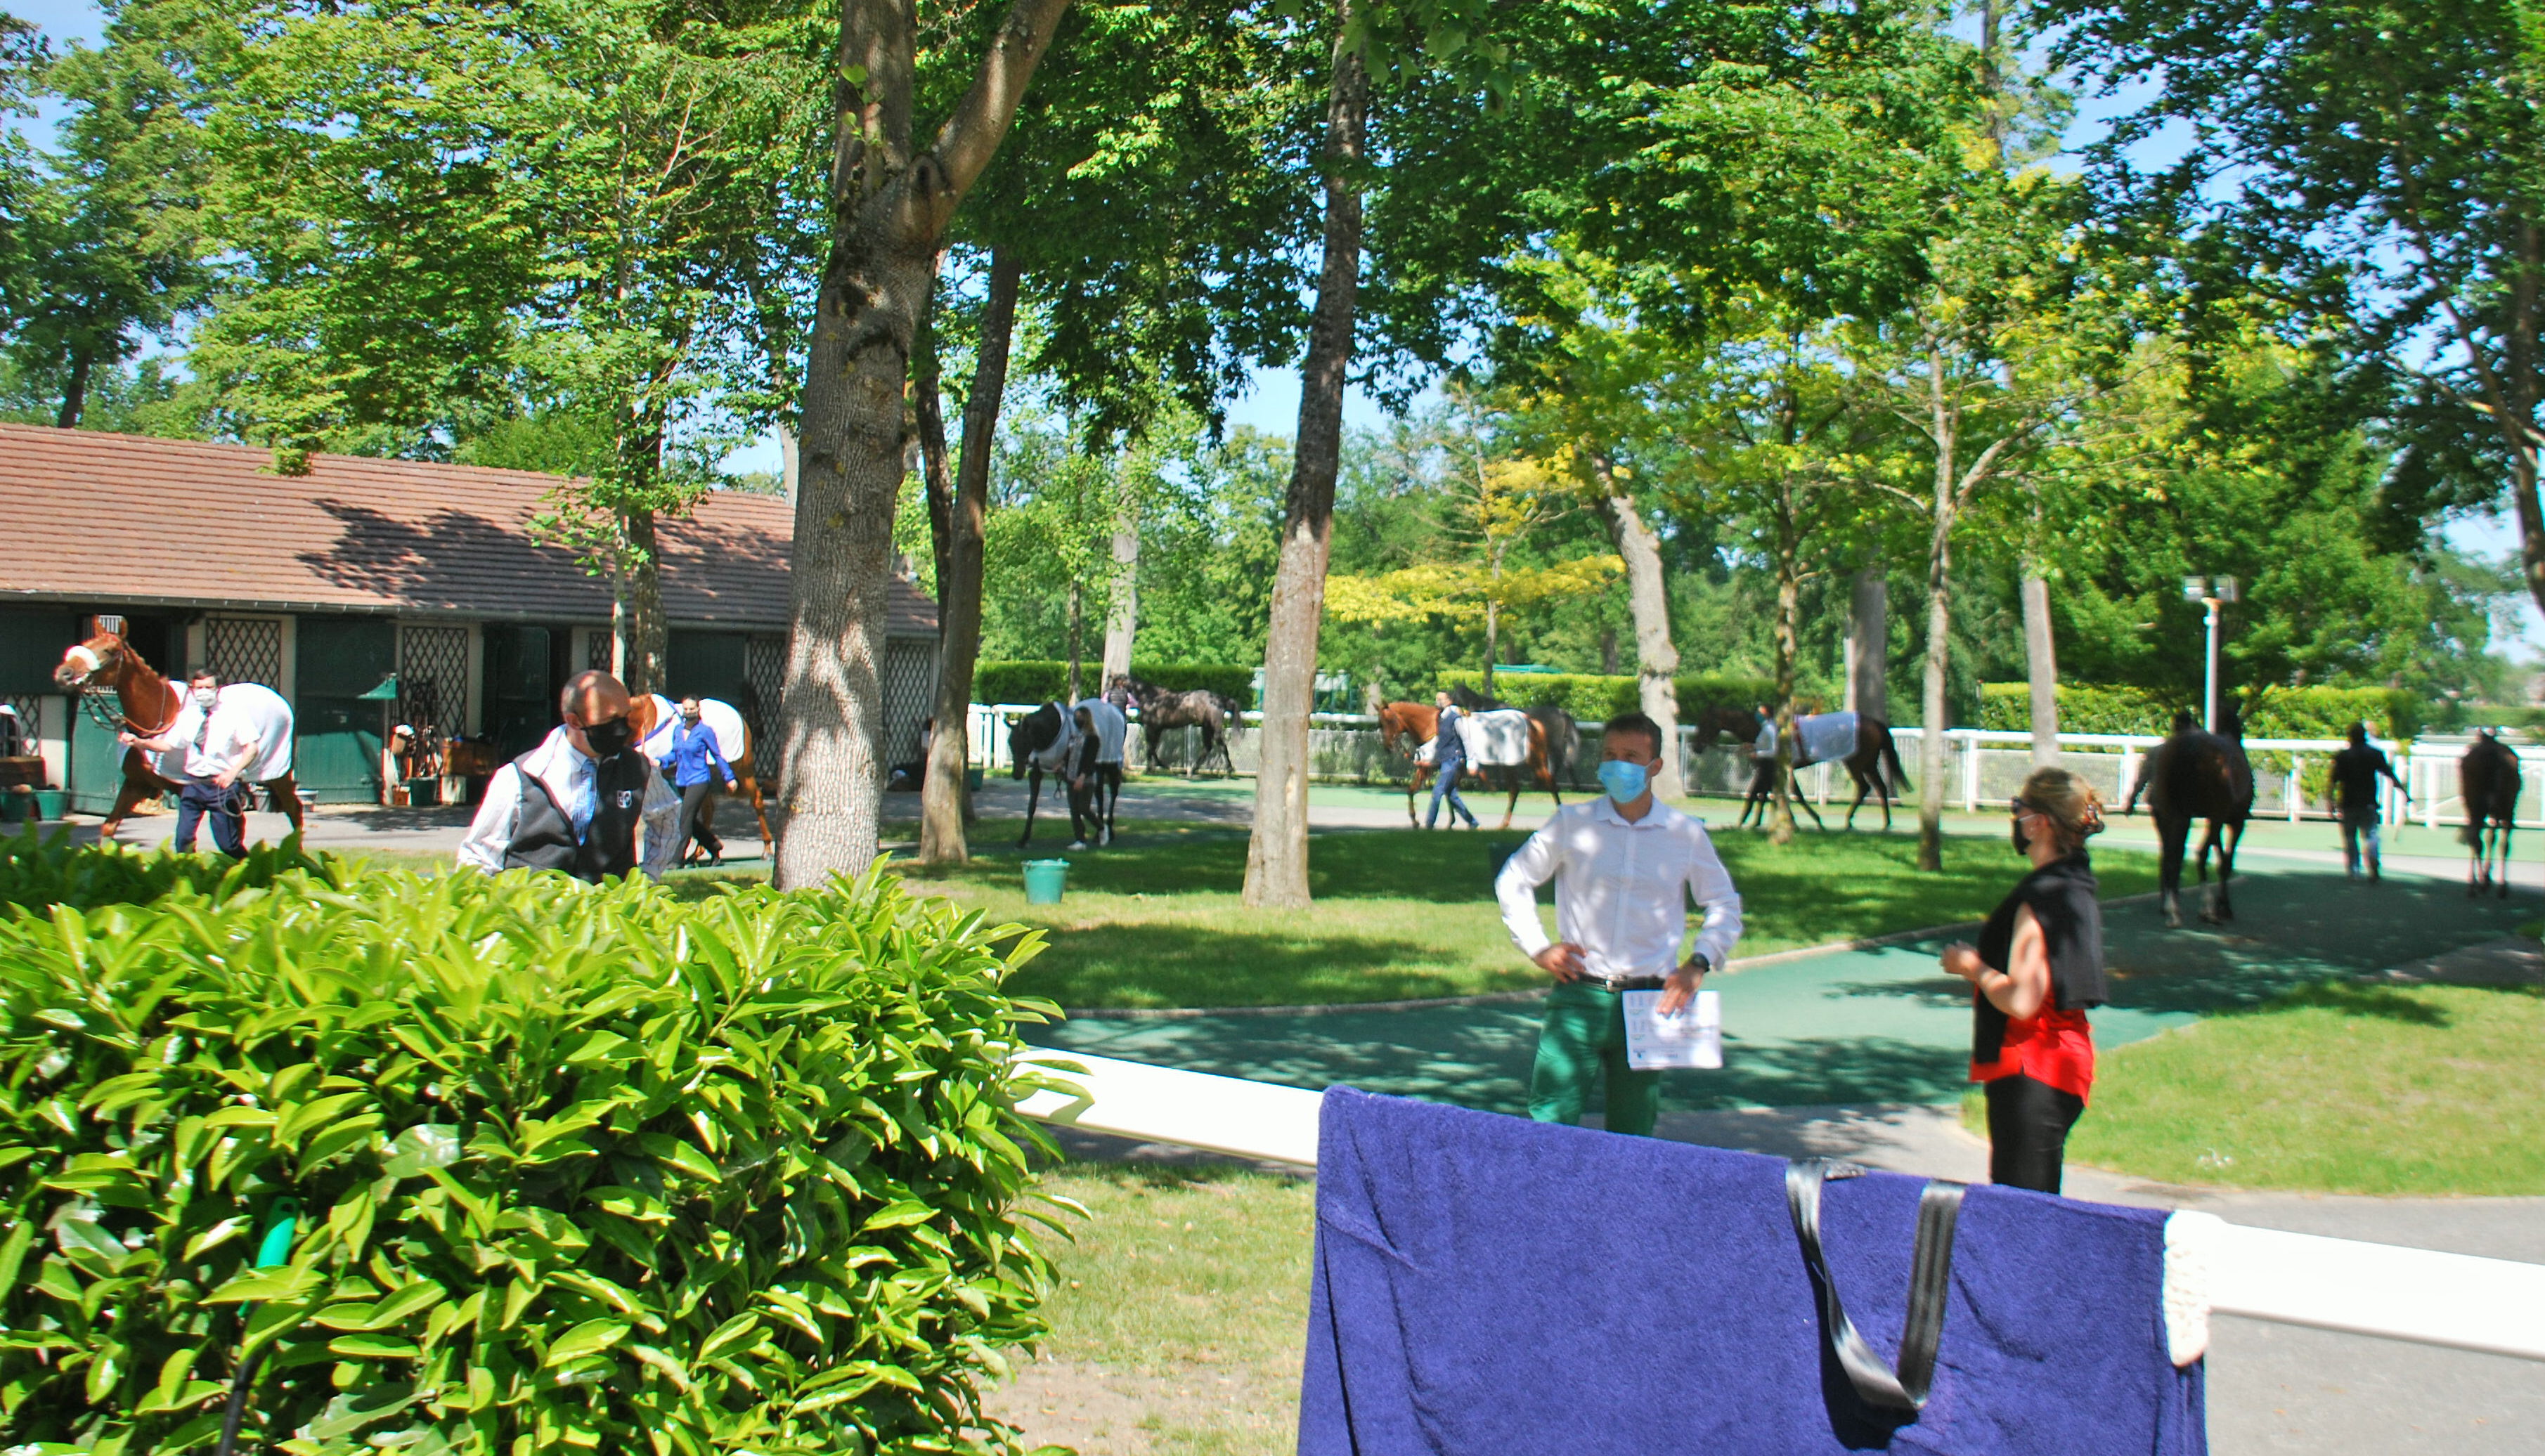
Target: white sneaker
x=1106 y=837
x=1078 y=844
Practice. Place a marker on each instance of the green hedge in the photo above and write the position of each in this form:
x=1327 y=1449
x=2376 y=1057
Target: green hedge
x=1012 y=679
x=1598 y=698
x=2278 y=713
x=577 y=1169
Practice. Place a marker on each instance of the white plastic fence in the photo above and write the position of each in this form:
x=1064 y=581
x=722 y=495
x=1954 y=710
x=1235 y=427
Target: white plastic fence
x=2492 y=1305
x=1983 y=768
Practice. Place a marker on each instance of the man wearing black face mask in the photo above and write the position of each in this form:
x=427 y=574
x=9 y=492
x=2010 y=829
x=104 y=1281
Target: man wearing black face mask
x=574 y=802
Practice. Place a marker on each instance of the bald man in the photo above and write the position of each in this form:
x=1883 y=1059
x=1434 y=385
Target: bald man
x=574 y=802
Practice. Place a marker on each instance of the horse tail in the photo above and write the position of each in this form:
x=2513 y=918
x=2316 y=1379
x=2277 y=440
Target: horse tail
x=1891 y=756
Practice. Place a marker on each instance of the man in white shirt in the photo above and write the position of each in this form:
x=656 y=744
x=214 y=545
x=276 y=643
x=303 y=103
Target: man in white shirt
x=575 y=802
x=1625 y=866
x=217 y=748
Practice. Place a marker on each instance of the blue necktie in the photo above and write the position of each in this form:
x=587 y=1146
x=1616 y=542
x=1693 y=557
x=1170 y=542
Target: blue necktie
x=587 y=800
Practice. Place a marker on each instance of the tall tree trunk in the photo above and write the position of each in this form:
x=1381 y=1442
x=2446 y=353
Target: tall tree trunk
x=890 y=205
x=942 y=809
x=75 y=389
x=642 y=663
x=928 y=411
x=788 y=457
x=1077 y=636
x=1123 y=618
x=1277 y=855
x=1493 y=642
x=1648 y=604
x=1939 y=637
x=2042 y=659
x=1868 y=644
x=1789 y=599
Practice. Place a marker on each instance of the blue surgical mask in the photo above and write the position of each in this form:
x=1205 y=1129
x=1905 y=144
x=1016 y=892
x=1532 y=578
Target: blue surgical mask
x=1625 y=781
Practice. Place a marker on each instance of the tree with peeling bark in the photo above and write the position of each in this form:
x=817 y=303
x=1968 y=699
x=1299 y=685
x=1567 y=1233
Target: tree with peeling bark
x=892 y=199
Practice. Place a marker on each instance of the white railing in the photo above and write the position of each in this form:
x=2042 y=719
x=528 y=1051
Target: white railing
x=1984 y=767
x=2493 y=1305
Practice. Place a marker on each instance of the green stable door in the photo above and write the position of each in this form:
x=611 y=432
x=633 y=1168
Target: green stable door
x=337 y=756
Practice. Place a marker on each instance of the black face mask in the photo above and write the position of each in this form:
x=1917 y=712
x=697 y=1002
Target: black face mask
x=2023 y=840
x=608 y=740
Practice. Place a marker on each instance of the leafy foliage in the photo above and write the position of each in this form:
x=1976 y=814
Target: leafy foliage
x=1033 y=680
x=2274 y=712
x=576 y=1168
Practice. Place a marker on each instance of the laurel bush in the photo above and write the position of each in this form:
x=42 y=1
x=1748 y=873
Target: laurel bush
x=576 y=1168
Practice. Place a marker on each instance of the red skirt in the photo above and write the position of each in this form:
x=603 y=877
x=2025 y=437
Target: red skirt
x=2056 y=1047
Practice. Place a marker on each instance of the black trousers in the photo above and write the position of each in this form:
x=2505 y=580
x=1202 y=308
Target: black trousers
x=2028 y=1124
x=200 y=799
x=697 y=821
x=1087 y=805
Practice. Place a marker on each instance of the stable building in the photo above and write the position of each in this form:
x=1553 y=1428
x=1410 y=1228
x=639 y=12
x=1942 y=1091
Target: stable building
x=328 y=584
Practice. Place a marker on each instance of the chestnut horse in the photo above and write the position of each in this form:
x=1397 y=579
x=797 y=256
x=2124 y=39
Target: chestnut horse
x=645 y=713
x=1420 y=720
x=150 y=703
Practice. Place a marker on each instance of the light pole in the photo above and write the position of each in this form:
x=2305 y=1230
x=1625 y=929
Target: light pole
x=2211 y=595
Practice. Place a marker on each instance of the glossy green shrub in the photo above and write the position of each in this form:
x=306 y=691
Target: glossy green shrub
x=1596 y=697
x=2084 y=708
x=1026 y=680
x=580 y=1168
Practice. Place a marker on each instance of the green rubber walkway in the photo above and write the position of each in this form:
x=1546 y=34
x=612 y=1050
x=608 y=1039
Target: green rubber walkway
x=1882 y=1025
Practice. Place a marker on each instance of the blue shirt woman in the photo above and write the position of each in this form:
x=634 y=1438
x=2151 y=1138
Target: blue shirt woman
x=694 y=754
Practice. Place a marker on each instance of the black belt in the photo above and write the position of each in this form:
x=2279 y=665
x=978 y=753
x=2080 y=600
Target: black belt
x=1624 y=983
x=1900 y=1390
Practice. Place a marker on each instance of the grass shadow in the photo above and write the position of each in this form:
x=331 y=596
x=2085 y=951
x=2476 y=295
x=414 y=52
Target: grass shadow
x=1149 y=963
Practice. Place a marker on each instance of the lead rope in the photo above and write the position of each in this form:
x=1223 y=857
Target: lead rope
x=1930 y=1270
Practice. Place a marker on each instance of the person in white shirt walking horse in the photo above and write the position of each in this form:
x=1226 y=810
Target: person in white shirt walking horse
x=1625 y=866
x=574 y=803
x=217 y=746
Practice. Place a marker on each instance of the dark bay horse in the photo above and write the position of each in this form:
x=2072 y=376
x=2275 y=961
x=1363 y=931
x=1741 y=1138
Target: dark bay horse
x=1162 y=709
x=1421 y=722
x=2488 y=778
x=2195 y=775
x=149 y=703
x=1038 y=744
x=1874 y=753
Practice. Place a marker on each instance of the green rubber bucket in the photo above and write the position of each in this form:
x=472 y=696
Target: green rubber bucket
x=51 y=803
x=1044 y=880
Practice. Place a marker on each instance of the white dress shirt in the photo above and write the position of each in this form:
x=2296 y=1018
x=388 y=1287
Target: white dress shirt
x=567 y=776
x=1621 y=889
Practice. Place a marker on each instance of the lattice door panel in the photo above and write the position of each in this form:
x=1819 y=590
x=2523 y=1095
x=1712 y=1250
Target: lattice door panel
x=597 y=651
x=909 y=697
x=764 y=669
x=245 y=649
x=432 y=679
x=30 y=707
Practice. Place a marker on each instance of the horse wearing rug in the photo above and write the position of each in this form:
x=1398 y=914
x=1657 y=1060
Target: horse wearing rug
x=1859 y=743
x=1047 y=740
x=1216 y=716
x=1494 y=738
x=654 y=718
x=2487 y=776
x=152 y=704
x=2191 y=775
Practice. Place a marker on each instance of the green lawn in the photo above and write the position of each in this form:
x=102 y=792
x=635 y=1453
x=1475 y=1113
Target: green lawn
x=1154 y=921
x=1179 y=1317
x=2337 y=1087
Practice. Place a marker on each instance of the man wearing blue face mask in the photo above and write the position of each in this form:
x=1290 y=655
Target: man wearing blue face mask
x=1625 y=866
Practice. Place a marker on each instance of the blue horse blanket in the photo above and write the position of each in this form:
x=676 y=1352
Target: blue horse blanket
x=1486 y=1285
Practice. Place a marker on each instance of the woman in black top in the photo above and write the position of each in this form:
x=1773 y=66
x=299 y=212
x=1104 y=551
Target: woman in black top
x=2039 y=966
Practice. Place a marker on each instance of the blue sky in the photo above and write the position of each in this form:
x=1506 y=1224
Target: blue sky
x=1271 y=405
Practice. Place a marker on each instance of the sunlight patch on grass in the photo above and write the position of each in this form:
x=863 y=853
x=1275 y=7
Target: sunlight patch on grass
x=2338 y=1088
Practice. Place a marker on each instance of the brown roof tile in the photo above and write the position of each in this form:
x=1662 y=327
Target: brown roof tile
x=119 y=517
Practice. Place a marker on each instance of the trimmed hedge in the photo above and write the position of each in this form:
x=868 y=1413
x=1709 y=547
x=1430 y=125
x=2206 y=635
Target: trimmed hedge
x=2275 y=712
x=576 y=1168
x=1014 y=679
x=1598 y=698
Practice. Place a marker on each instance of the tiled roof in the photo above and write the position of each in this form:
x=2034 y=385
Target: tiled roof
x=128 y=519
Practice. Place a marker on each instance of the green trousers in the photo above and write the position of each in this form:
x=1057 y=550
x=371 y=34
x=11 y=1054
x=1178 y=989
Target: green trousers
x=1585 y=1034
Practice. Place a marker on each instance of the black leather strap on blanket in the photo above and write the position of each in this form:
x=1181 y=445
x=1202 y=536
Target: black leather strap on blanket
x=1930 y=1270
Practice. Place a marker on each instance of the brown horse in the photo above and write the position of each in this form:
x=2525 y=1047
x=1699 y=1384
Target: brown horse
x=2195 y=774
x=1874 y=751
x=150 y=703
x=2488 y=778
x=644 y=716
x=1422 y=722
x=1163 y=708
